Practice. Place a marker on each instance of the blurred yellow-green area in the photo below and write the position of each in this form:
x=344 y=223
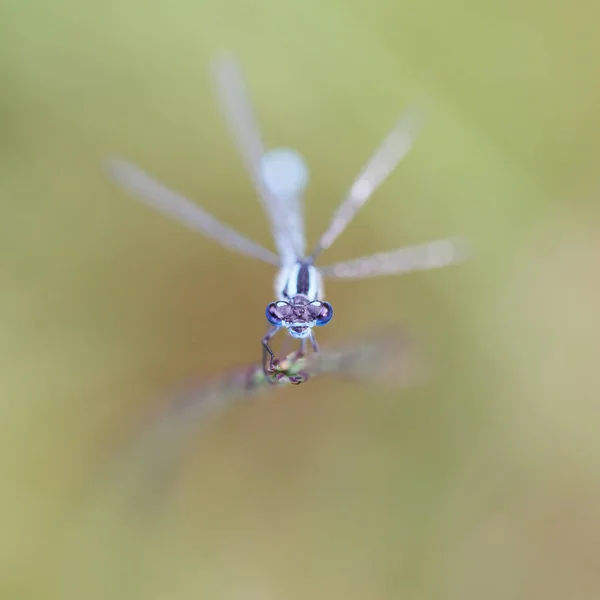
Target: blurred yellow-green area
x=481 y=482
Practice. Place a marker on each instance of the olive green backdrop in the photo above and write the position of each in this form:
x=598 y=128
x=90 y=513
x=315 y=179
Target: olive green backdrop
x=481 y=482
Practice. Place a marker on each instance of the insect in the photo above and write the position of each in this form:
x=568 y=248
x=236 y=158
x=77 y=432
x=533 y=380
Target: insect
x=280 y=177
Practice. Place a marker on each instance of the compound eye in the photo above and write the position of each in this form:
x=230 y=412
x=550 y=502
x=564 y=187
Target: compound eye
x=272 y=314
x=325 y=314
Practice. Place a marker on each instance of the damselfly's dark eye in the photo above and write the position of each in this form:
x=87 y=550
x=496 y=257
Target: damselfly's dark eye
x=325 y=314
x=272 y=314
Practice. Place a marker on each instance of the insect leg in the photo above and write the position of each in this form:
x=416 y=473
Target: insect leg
x=313 y=342
x=267 y=349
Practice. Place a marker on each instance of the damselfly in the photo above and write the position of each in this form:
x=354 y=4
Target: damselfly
x=280 y=177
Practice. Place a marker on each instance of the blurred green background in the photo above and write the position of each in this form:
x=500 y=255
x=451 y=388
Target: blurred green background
x=480 y=483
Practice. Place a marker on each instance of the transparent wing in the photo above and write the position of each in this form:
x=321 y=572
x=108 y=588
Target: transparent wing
x=170 y=203
x=237 y=108
x=391 y=151
x=431 y=255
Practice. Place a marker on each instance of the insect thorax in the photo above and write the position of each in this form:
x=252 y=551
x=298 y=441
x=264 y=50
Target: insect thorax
x=301 y=280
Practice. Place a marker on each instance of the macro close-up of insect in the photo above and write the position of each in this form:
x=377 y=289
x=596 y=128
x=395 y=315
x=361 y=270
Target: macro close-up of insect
x=280 y=177
x=187 y=243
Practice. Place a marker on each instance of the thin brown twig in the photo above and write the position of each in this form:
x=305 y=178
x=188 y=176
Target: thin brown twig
x=150 y=460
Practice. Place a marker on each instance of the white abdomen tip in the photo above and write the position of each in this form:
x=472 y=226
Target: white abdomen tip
x=284 y=172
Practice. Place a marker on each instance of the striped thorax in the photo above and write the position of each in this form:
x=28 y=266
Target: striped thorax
x=300 y=307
